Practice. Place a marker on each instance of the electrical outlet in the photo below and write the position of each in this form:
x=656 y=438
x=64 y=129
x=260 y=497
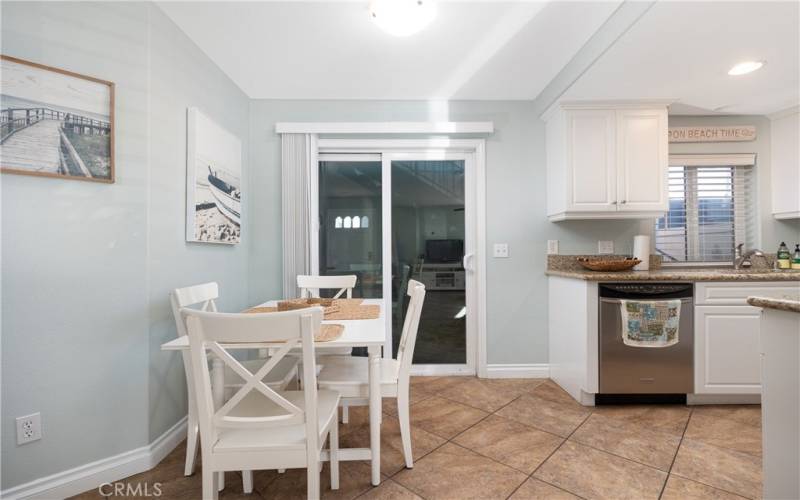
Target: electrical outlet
x=605 y=247
x=501 y=250
x=552 y=247
x=29 y=428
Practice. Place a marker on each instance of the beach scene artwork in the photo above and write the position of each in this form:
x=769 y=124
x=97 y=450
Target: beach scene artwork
x=55 y=123
x=213 y=182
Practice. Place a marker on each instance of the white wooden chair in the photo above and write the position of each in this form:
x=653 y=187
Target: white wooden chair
x=260 y=428
x=311 y=285
x=349 y=376
x=397 y=305
x=204 y=296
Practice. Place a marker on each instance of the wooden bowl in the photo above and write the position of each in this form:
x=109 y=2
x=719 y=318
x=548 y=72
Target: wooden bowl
x=608 y=265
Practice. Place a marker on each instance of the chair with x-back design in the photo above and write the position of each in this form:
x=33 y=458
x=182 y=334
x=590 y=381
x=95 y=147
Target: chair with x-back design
x=204 y=297
x=258 y=427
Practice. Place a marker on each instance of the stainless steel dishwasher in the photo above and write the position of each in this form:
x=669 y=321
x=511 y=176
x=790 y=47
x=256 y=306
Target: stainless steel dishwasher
x=638 y=370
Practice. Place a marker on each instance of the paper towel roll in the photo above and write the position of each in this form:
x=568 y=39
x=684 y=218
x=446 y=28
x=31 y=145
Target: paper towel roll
x=641 y=251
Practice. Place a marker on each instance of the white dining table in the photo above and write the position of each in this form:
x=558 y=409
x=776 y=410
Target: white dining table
x=369 y=333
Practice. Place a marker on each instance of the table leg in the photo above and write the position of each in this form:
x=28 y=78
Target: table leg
x=218 y=393
x=374 y=353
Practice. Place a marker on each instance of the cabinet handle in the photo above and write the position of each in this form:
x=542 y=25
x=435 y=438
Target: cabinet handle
x=624 y=202
x=613 y=202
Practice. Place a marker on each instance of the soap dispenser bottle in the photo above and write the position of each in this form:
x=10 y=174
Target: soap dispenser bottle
x=784 y=257
x=796 y=257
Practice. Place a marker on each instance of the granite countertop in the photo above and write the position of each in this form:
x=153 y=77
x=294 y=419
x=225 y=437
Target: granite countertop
x=674 y=274
x=789 y=303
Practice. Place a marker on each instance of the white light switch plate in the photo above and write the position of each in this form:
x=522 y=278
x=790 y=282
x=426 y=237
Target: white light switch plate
x=552 y=247
x=501 y=250
x=605 y=247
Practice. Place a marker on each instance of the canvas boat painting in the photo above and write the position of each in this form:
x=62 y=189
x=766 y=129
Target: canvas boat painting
x=213 y=188
x=55 y=123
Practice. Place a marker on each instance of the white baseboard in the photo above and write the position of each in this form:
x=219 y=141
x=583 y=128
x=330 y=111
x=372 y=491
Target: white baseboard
x=90 y=476
x=532 y=370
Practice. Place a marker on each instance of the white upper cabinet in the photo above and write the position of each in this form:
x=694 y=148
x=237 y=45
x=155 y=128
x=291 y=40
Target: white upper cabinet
x=606 y=162
x=786 y=164
x=592 y=179
x=643 y=159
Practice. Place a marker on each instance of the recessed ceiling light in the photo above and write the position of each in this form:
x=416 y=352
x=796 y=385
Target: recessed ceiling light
x=745 y=67
x=402 y=17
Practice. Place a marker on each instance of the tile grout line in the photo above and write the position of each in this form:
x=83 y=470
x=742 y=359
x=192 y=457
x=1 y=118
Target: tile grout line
x=450 y=440
x=677 y=450
x=554 y=452
x=670 y=473
x=696 y=480
x=494 y=413
x=564 y=440
x=446 y=441
x=618 y=455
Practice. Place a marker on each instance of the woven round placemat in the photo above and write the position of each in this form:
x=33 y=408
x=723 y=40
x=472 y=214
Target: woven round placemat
x=355 y=312
x=328 y=332
x=348 y=302
x=261 y=310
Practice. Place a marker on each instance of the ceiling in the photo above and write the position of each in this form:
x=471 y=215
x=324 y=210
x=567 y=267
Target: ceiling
x=683 y=51
x=500 y=50
x=331 y=50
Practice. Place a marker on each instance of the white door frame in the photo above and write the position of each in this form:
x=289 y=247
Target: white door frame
x=474 y=151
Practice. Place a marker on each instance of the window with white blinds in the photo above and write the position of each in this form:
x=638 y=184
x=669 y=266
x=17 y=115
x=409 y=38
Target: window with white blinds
x=710 y=212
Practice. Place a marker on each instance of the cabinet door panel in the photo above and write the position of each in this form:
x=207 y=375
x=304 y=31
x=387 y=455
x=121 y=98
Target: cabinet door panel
x=642 y=159
x=591 y=145
x=727 y=354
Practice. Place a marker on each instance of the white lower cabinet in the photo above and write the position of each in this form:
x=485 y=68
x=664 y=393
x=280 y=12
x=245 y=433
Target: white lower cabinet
x=727 y=358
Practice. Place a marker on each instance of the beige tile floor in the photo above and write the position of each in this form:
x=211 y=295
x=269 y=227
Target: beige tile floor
x=518 y=439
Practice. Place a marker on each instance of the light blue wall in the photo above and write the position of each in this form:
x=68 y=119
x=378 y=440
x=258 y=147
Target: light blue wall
x=182 y=76
x=517 y=288
x=86 y=267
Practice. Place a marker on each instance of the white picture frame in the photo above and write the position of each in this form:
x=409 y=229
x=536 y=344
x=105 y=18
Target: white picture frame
x=213 y=181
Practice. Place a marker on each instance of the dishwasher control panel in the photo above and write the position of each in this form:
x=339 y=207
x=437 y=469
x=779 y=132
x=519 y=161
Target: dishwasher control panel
x=650 y=291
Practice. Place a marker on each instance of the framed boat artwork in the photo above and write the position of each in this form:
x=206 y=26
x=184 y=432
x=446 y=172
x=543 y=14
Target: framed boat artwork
x=55 y=123
x=213 y=182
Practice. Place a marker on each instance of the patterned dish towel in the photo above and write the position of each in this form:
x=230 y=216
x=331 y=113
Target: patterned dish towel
x=650 y=323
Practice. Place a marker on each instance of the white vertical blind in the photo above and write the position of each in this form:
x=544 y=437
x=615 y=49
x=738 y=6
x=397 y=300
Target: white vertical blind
x=710 y=212
x=298 y=158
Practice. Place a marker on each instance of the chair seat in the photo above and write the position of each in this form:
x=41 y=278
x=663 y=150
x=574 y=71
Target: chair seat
x=278 y=378
x=279 y=437
x=350 y=376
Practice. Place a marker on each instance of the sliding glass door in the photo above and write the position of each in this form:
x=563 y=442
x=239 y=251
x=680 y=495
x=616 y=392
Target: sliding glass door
x=394 y=216
x=350 y=221
x=428 y=236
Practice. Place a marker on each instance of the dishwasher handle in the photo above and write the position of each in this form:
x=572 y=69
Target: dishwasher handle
x=606 y=300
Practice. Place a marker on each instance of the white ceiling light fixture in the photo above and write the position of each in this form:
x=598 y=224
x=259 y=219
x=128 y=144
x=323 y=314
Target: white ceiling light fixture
x=402 y=17
x=745 y=67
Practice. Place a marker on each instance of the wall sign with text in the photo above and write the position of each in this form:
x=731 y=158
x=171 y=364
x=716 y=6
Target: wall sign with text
x=712 y=134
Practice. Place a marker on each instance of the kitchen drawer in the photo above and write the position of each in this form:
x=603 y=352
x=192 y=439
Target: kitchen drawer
x=727 y=293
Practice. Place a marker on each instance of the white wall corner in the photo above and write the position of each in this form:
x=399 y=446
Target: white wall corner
x=531 y=370
x=108 y=470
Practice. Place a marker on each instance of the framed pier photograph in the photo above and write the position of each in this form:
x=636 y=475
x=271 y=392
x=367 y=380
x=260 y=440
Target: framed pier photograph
x=213 y=182
x=55 y=123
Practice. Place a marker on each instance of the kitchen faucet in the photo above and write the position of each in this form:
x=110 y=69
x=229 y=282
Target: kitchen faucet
x=742 y=259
